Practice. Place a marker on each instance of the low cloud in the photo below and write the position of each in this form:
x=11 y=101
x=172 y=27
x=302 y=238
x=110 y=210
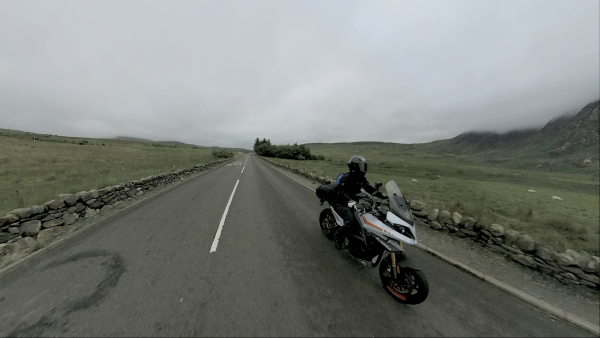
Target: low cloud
x=225 y=72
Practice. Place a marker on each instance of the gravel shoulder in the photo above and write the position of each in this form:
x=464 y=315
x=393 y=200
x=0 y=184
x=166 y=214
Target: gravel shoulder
x=579 y=301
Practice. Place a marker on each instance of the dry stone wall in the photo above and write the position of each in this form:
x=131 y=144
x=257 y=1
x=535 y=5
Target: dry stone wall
x=569 y=267
x=309 y=175
x=20 y=228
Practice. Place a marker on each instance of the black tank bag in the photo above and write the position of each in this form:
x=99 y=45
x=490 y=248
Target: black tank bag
x=326 y=192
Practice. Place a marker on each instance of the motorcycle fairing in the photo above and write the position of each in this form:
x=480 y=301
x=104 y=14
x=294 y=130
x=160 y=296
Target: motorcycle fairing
x=337 y=217
x=399 y=221
x=375 y=226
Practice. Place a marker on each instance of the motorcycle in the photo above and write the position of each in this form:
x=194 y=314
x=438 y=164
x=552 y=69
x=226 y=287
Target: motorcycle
x=379 y=241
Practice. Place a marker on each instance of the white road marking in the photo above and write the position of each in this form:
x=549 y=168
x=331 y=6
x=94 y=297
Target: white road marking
x=243 y=170
x=238 y=163
x=215 y=243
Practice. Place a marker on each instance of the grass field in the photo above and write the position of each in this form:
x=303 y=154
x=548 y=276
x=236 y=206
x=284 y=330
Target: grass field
x=487 y=193
x=33 y=172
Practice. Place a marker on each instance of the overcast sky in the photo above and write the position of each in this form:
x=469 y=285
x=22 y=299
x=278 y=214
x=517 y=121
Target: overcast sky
x=225 y=72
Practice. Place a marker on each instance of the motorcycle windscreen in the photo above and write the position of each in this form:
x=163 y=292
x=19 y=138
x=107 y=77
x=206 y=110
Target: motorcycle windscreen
x=398 y=205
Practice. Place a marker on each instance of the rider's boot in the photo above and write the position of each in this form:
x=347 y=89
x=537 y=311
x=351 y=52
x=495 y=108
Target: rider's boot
x=340 y=236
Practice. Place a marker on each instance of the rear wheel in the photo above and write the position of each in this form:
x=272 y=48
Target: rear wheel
x=327 y=223
x=410 y=287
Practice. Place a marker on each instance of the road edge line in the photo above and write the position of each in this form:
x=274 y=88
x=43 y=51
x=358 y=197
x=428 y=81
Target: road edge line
x=540 y=304
x=7 y=269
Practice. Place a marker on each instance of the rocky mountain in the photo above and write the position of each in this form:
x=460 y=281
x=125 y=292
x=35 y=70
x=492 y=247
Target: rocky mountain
x=562 y=136
x=570 y=139
x=573 y=133
x=568 y=143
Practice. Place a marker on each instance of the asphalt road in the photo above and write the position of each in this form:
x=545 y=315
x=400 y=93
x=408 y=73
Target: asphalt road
x=148 y=271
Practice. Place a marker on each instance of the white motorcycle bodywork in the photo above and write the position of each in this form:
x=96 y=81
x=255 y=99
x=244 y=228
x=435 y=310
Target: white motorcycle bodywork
x=387 y=235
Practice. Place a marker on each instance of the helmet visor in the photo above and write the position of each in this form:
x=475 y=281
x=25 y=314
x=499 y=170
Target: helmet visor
x=362 y=167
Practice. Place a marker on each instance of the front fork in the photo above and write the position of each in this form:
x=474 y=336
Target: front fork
x=393 y=255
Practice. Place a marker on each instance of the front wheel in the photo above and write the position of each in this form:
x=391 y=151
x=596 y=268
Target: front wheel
x=327 y=223
x=411 y=286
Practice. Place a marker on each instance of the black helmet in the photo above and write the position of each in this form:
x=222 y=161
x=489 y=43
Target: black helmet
x=357 y=164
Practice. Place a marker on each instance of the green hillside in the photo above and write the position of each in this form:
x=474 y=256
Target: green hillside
x=569 y=144
x=487 y=176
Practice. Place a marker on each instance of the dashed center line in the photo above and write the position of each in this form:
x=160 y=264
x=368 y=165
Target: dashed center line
x=247 y=157
x=215 y=243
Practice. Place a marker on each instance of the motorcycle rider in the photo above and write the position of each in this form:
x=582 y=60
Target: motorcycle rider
x=350 y=185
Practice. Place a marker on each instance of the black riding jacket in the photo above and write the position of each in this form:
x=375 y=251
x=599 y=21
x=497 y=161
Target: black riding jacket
x=350 y=185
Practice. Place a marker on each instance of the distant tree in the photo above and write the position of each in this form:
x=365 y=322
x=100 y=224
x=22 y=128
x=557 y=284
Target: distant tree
x=264 y=150
x=293 y=152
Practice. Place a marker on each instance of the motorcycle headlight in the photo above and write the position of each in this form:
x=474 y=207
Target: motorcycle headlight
x=405 y=231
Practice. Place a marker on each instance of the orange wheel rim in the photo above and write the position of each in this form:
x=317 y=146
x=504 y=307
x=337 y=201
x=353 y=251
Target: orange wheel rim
x=403 y=297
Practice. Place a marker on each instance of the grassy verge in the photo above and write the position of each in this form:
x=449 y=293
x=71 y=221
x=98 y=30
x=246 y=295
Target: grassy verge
x=33 y=172
x=486 y=193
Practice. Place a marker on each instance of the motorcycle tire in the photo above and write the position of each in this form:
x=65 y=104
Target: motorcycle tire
x=411 y=286
x=327 y=223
